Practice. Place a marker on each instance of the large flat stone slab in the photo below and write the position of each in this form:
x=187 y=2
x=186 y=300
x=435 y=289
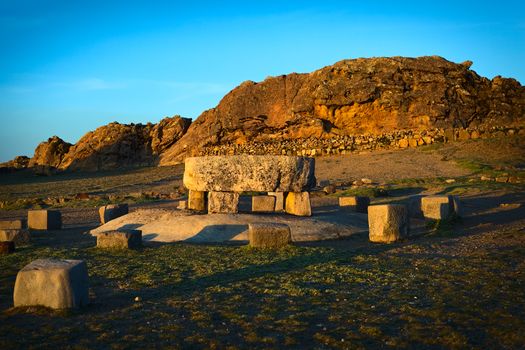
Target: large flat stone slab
x=160 y=225
x=57 y=284
x=249 y=173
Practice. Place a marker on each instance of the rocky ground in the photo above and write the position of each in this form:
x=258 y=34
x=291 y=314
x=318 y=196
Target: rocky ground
x=455 y=284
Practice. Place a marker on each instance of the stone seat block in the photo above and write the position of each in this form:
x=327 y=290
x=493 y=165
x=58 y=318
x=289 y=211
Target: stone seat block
x=7 y=247
x=121 y=239
x=183 y=205
x=112 y=211
x=223 y=202
x=387 y=222
x=356 y=203
x=440 y=207
x=279 y=200
x=298 y=203
x=13 y=224
x=263 y=204
x=57 y=284
x=269 y=235
x=44 y=219
x=19 y=237
x=197 y=200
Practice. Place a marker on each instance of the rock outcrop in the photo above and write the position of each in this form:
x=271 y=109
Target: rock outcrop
x=50 y=153
x=353 y=97
x=111 y=146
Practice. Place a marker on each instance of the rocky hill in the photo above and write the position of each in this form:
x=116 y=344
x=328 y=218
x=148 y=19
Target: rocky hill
x=353 y=97
x=360 y=98
x=111 y=146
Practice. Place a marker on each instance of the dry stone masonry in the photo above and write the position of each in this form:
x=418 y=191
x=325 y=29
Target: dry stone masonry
x=225 y=177
x=18 y=236
x=57 y=284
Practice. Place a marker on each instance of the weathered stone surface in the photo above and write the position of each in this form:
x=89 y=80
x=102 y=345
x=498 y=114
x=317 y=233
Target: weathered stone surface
x=298 y=203
x=387 y=222
x=436 y=207
x=57 y=284
x=112 y=211
x=50 y=153
x=279 y=200
x=223 y=202
x=13 y=224
x=357 y=203
x=269 y=235
x=7 y=247
x=44 y=219
x=197 y=200
x=18 y=236
x=249 y=173
x=263 y=204
x=121 y=239
x=183 y=205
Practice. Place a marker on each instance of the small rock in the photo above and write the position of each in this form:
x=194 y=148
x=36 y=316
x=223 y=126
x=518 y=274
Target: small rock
x=502 y=179
x=366 y=181
x=329 y=189
x=138 y=299
x=450 y=181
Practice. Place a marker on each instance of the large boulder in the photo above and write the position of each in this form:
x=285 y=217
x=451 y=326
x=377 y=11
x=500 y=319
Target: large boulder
x=50 y=153
x=249 y=173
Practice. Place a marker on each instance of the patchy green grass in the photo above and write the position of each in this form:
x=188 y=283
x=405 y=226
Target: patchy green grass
x=219 y=296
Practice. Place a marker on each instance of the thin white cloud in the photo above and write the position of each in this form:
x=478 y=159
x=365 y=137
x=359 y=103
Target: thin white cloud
x=90 y=84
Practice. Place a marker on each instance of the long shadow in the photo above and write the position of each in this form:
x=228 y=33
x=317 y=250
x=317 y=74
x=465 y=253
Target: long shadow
x=217 y=233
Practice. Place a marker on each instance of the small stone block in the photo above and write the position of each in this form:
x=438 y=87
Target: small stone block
x=357 y=203
x=197 y=200
x=13 y=224
x=112 y=211
x=263 y=204
x=19 y=237
x=121 y=239
x=7 y=247
x=44 y=219
x=437 y=207
x=387 y=222
x=298 y=203
x=223 y=202
x=269 y=235
x=279 y=200
x=57 y=284
x=183 y=205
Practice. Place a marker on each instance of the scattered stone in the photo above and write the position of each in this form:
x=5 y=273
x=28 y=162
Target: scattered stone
x=366 y=181
x=112 y=211
x=387 y=222
x=279 y=200
x=356 y=203
x=197 y=200
x=323 y=183
x=403 y=143
x=57 y=284
x=223 y=202
x=329 y=189
x=19 y=237
x=183 y=205
x=450 y=181
x=44 y=219
x=13 y=224
x=357 y=183
x=249 y=173
x=486 y=178
x=437 y=207
x=121 y=239
x=7 y=247
x=263 y=204
x=298 y=203
x=502 y=179
x=269 y=235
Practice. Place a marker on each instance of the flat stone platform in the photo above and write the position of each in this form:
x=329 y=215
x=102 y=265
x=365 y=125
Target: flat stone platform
x=160 y=225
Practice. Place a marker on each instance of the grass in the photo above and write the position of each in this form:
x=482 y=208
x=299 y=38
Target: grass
x=221 y=296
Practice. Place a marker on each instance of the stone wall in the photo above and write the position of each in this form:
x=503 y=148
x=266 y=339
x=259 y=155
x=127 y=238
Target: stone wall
x=338 y=144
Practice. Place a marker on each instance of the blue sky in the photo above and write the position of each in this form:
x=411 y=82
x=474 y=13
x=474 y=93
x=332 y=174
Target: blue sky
x=67 y=67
